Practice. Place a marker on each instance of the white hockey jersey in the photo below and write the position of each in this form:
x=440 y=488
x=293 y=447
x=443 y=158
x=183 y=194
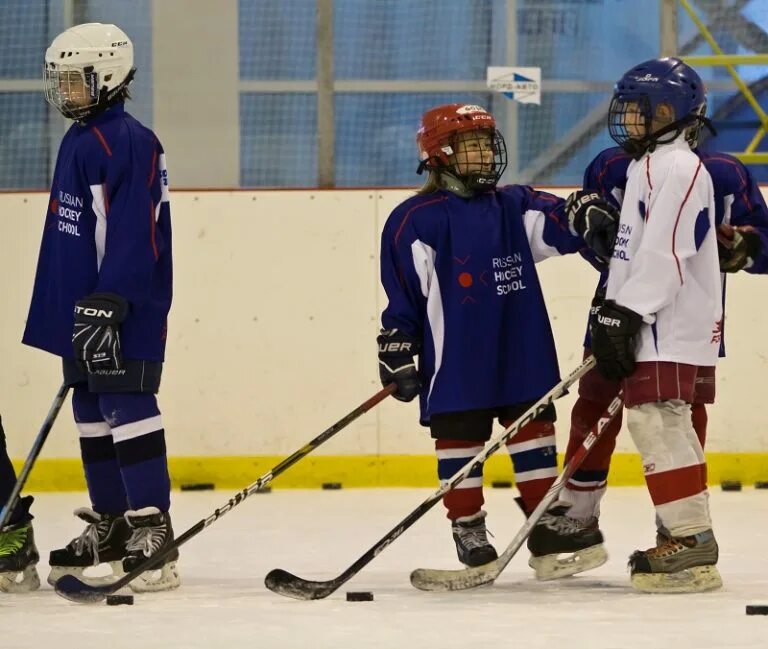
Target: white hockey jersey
x=665 y=264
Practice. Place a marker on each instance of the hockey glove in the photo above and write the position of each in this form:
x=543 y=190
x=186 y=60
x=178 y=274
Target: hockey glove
x=397 y=364
x=596 y=306
x=613 y=340
x=594 y=219
x=96 y=336
x=737 y=247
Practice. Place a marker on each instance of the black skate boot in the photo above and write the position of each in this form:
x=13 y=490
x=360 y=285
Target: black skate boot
x=18 y=554
x=102 y=541
x=683 y=564
x=557 y=534
x=471 y=539
x=151 y=531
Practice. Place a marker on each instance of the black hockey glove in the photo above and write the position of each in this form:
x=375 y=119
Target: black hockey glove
x=96 y=336
x=613 y=340
x=596 y=306
x=397 y=365
x=737 y=247
x=594 y=219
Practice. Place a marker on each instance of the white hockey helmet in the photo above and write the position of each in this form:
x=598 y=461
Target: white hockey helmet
x=87 y=68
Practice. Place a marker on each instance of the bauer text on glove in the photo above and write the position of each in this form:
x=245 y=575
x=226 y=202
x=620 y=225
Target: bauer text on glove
x=614 y=331
x=397 y=363
x=594 y=219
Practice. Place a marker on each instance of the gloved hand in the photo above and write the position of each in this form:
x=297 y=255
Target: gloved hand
x=397 y=364
x=597 y=304
x=595 y=219
x=96 y=336
x=613 y=333
x=737 y=247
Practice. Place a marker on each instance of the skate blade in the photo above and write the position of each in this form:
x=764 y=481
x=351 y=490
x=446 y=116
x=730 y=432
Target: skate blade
x=692 y=580
x=165 y=578
x=557 y=566
x=20 y=582
x=57 y=572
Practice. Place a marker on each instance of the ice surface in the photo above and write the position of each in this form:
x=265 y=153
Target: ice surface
x=317 y=534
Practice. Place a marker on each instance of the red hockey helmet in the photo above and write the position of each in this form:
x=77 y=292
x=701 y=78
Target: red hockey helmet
x=436 y=139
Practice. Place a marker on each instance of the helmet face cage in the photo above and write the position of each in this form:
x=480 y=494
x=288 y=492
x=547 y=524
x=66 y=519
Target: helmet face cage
x=71 y=90
x=478 y=158
x=629 y=119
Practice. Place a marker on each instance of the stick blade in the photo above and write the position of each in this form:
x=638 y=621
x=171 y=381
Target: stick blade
x=448 y=580
x=284 y=583
x=75 y=590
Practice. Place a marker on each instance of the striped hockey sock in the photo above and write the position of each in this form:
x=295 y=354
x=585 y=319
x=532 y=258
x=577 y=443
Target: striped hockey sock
x=587 y=485
x=102 y=472
x=534 y=458
x=452 y=455
x=139 y=438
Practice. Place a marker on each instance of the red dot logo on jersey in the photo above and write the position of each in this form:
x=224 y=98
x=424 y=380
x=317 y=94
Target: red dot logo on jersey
x=466 y=280
x=54 y=206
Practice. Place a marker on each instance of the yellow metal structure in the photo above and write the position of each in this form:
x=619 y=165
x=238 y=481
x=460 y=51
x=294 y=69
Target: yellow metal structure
x=750 y=154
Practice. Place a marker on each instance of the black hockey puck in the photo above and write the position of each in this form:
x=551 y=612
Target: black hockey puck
x=116 y=600
x=730 y=485
x=331 y=485
x=757 y=609
x=198 y=486
x=359 y=596
x=501 y=484
x=761 y=484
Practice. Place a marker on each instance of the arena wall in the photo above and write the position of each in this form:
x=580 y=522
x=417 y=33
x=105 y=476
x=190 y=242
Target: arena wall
x=271 y=339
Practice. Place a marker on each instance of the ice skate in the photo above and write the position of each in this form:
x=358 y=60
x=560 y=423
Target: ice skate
x=102 y=542
x=151 y=531
x=680 y=565
x=471 y=540
x=18 y=557
x=561 y=546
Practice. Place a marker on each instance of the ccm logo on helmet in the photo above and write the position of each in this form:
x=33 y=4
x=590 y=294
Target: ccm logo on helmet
x=119 y=43
x=608 y=322
x=95 y=313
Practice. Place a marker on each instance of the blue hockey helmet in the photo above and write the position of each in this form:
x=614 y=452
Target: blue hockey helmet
x=654 y=102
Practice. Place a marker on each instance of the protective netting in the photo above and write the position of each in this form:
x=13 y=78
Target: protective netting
x=30 y=130
x=393 y=59
x=738 y=27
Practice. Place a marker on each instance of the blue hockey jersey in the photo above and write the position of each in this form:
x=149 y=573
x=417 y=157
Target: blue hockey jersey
x=738 y=200
x=460 y=277
x=107 y=229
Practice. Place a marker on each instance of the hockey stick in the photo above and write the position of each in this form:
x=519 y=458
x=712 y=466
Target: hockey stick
x=37 y=446
x=72 y=588
x=444 y=580
x=285 y=583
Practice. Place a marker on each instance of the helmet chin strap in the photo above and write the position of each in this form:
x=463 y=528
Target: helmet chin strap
x=107 y=99
x=465 y=187
x=454 y=185
x=637 y=148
